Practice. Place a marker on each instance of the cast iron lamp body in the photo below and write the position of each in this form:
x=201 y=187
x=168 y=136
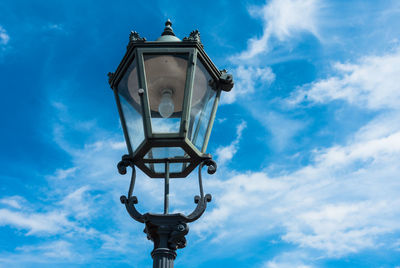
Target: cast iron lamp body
x=167 y=94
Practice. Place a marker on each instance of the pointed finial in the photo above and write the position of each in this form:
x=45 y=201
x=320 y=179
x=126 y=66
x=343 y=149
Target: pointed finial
x=168 y=29
x=168 y=34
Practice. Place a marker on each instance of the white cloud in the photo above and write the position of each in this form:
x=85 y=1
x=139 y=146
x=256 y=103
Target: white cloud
x=272 y=264
x=47 y=252
x=291 y=259
x=118 y=145
x=346 y=200
x=4 y=37
x=281 y=128
x=70 y=212
x=63 y=173
x=59 y=218
x=226 y=153
x=282 y=19
x=246 y=80
x=77 y=200
x=76 y=203
x=373 y=82
x=36 y=223
x=13 y=201
x=54 y=27
x=57 y=249
x=351 y=226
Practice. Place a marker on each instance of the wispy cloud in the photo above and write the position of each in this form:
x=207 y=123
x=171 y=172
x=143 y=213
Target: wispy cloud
x=54 y=27
x=65 y=216
x=346 y=200
x=247 y=78
x=4 y=37
x=282 y=19
x=291 y=259
x=13 y=201
x=341 y=204
x=46 y=253
x=76 y=203
x=57 y=249
x=68 y=220
x=63 y=173
x=281 y=128
x=36 y=223
x=372 y=82
x=226 y=153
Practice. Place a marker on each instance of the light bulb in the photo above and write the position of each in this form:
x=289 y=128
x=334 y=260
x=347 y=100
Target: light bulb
x=166 y=106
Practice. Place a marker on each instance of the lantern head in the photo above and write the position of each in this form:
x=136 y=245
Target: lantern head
x=167 y=94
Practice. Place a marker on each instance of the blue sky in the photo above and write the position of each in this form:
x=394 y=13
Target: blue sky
x=308 y=141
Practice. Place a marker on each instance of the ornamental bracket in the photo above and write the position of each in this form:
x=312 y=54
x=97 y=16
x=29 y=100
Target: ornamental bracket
x=134 y=37
x=193 y=37
x=165 y=230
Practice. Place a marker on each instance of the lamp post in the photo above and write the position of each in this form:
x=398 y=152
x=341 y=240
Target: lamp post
x=167 y=94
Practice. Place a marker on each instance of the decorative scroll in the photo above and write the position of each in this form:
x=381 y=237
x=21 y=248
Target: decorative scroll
x=226 y=81
x=194 y=36
x=135 y=37
x=165 y=230
x=110 y=77
x=130 y=201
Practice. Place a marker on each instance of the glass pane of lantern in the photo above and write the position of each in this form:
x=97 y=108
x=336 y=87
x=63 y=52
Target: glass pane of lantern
x=203 y=97
x=166 y=79
x=130 y=104
x=160 y=167
x=162 y=153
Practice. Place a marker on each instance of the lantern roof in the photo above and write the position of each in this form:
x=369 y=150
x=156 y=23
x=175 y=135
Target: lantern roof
x=168 y=35
x=169 y=40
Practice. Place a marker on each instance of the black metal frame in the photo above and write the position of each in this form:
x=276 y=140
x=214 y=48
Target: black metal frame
x=221 y=82
x=130 y=201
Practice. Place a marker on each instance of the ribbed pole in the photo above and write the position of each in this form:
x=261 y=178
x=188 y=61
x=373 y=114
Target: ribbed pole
x=163 y=258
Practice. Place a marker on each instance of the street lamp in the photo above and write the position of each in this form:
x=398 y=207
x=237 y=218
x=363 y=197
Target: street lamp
x=167 y=94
